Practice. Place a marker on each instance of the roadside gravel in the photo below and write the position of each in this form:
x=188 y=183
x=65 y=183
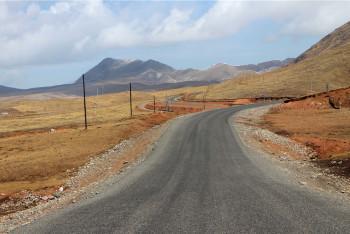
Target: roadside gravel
x=296 y=159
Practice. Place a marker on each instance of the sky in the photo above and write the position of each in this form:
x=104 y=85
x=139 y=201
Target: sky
x=46 y=43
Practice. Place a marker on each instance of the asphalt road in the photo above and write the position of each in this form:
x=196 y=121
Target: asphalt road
x=199 y=180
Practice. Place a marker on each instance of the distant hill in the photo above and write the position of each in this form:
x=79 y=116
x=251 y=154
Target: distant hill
x=7 y=90
x=217 y=72
x=267 y=66
x=152 y=72
x=113 y=75
x=125 y=71
x=326 y=65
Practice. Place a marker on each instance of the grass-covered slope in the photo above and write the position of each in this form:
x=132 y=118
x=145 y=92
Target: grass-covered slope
x=327 y=63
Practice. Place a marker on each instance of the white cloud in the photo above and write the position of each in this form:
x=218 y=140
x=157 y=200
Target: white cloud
x=80 y=45
x=60 y=8
x=224 y=18
x=172 y=28
x=120 y=35
x=70 y=31
x=318 y=18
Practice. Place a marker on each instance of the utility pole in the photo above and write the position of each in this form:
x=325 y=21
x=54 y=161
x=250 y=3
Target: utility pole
x=84 y=102
x=203 y=101
x=154 y=104
x=205 y=97
x=130 y=100
x=95 y=104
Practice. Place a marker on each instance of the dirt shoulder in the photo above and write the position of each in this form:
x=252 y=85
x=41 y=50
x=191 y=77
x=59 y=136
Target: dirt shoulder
x=294 y=157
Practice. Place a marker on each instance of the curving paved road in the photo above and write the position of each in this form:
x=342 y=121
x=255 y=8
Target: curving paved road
x=198 y=179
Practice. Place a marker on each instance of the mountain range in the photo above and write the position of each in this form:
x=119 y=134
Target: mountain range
x=114 y=75
x=323 y=66
x=152 y=72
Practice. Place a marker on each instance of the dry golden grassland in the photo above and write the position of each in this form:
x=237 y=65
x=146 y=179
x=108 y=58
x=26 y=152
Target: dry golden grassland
x=35 y=113
x=44 y=160
x=180 y=91
x=32 y=158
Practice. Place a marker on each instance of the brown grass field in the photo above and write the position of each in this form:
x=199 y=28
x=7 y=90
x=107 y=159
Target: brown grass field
x=44 y=160
x=30 y=114
x=32 y=158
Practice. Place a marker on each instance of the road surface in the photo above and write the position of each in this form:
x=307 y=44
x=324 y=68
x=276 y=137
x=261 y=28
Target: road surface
x=199 y=180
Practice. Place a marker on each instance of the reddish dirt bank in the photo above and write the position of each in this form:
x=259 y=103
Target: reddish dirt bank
x=339 y=98
x=320 y=121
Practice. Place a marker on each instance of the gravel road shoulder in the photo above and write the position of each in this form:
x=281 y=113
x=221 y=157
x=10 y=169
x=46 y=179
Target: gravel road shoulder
x=293 y=158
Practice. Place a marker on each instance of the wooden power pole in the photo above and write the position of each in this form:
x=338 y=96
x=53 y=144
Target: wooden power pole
x=154 y=104
x=84 y=102
x=130 y=97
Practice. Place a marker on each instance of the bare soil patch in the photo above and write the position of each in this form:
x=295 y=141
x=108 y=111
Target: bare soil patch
x=314 y=122
x=295 y=158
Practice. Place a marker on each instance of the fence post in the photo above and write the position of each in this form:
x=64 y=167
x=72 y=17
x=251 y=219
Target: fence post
x=130 y=97
x=84 y=102
x=205 y=97
x=154 y=104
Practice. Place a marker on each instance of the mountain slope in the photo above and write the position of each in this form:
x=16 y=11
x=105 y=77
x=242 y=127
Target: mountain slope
x=337 y=38
x=325 y=65
x=7 y=90
x=153 y=72
x=124 y=71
